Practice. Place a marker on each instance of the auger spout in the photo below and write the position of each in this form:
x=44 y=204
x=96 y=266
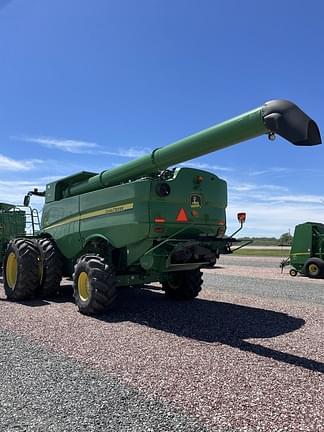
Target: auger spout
x=276 y=116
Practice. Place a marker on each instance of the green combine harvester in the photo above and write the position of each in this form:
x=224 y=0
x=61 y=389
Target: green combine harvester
x=307 y=251
x=141 y=222
x=12 y=224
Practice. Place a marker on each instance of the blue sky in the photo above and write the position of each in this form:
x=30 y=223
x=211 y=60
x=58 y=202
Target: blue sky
x=86 y=85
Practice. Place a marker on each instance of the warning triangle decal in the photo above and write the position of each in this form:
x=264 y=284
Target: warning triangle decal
x=182 y=216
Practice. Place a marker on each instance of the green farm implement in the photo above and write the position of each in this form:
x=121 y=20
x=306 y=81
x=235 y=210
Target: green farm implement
x=141 y=222
x=15 y=221
x=307 y=250
x=12 y=224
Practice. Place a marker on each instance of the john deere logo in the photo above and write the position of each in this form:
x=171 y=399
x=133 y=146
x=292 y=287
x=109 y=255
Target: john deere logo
x=195 y=201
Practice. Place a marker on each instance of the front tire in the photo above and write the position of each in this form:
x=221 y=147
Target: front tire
x=51 y=272
x=314 y=268
x=94 y=285
x=183 y=285
x=21 y=269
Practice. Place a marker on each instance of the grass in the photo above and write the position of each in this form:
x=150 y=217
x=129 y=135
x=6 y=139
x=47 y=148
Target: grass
x=266 y=252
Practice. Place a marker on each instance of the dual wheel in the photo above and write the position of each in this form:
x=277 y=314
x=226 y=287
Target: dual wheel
x=32 y=268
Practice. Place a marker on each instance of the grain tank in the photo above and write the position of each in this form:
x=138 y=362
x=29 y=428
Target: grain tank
x=142 y=222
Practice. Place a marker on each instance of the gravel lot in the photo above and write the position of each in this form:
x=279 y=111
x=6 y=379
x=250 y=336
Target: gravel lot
x=247 y=355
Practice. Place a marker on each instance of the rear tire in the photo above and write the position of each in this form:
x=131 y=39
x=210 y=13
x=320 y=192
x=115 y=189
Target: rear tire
x=21 y=269
x=94 y=285
x=183 y=285
x=51 y=272
x=314 y=268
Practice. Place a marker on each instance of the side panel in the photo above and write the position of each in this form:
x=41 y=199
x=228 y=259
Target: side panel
x=301 y=248
x=12 y=224
x=61 y=220
x=119 y=213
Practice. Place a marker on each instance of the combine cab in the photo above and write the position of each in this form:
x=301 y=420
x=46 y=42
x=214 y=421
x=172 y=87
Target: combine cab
x=142 y=222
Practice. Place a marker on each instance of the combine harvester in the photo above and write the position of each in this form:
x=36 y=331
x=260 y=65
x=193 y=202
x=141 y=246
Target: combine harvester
x=141 y=222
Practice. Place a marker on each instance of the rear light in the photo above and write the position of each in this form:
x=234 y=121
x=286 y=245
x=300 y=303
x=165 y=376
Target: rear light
x=159 y=220
x=158 y=229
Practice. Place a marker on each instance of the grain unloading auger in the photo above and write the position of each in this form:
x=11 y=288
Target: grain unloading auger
x=142 y=222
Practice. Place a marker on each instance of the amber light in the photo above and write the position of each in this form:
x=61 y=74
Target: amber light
x=159 y=220
x=199 y=179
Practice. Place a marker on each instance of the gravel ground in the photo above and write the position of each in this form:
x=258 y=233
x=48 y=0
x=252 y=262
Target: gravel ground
x=47 y=392
x=246 y=356
x=255 y=262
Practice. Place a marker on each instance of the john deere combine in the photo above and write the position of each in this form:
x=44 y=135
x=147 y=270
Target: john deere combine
x=142 y=222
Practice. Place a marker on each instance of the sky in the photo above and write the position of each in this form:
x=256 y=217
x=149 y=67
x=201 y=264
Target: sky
x=88 y=85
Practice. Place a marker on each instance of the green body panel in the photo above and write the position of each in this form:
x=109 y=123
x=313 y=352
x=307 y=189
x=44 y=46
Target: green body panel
x=308 y=242
x=12 y=224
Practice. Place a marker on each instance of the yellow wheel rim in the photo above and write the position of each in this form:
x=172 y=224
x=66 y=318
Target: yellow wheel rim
x=12 y=270
x=83 y=286
x=313 y=268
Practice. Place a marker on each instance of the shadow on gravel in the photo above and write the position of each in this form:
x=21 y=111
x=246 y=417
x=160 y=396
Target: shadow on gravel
x=210 y=321
x=203 y=320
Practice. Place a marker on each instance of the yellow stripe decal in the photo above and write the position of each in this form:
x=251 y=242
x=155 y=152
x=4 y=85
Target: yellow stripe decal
x=301 y=253
x=106 y=211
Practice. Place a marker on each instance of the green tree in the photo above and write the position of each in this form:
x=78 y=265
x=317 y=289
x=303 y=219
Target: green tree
x=285 y=239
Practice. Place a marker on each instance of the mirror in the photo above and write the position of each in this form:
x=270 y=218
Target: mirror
x=26 y=200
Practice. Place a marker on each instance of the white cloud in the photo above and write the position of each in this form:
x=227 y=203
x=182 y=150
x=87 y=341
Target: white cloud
x=67 y=145
x=272 y=220
x=272 y=170
x=205 y=166
x=9 y=164
x=81 y=146
x=272 y=209
x=128 y=152
x=13 y=192
x=248 y=187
